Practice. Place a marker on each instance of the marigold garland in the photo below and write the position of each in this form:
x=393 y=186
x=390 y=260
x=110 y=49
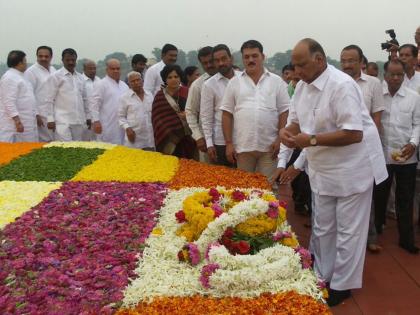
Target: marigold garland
x=10 y=151
x=289 y=303
x=130 y=165
x=192 y=173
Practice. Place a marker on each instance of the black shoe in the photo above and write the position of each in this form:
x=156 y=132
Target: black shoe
x=335 y=297
x=410 y=248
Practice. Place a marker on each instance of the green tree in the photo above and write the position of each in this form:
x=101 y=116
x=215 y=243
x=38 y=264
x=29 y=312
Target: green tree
x=192 y=58
x=157 y=53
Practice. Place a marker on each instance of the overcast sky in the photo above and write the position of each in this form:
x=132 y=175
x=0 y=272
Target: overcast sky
x=96 y=28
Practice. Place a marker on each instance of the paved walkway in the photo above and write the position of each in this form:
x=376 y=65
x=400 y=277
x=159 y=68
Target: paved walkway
x=391 y=280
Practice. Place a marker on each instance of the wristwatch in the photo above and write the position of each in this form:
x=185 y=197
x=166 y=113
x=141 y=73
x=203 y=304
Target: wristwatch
x=312 y=140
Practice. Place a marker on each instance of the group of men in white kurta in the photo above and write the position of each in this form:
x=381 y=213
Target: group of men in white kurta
x=241 y=118
x=44 y=104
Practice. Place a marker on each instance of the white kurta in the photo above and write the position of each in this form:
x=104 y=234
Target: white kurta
x=89 y=135
x=17 y=99
x=37 y=75
x=137 y=114
x=152 y=80
x=210 y=113
x=104 y=108
x=341 y=177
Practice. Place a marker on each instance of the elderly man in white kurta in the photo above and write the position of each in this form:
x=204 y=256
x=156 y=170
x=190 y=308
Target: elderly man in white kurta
x=17 y=102
x=65 y=101
x=135 y=114
x=254 y=106
x=329 y=118
x=37 y=74
x=104 y=104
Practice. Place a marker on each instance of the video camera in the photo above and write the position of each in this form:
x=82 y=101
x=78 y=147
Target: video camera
x=389 y=43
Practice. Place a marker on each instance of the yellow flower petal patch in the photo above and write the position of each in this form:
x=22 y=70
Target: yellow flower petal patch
x=81 y=144
x=18 y=197
x=130 y=165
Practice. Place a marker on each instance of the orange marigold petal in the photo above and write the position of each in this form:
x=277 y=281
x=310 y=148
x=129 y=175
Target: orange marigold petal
x=11 y=151
x=191 y=173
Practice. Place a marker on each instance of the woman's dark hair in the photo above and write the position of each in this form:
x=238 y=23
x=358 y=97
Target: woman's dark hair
x=168 y=69
x=14 y=58
x=187 y=72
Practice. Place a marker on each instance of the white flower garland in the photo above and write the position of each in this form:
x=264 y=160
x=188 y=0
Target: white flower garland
x=239 y=213
x=161 y=274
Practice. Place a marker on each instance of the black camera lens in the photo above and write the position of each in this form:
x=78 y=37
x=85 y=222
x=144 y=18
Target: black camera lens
x=385 y=46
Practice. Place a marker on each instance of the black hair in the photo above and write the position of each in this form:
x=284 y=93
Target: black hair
x=204 y=52
x=365 y=60
x=414 y=50
x=45 y=47
x=168 y=69
x=252 y=44
x=314 y=46
x=138 y=58
x=356 y=48
x=289 y=66
x=386 y=65
x=168 y=47
x=14 y=58
x=69 y=51
x=372 y=64
x=220 y=47
x=187 y=72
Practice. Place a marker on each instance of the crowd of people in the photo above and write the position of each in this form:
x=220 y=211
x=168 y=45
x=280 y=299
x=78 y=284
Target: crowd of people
x=344 y=139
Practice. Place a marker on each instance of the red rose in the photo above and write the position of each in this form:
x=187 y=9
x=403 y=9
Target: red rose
x=283 y=204
x=243 y=247
x=228 y=233
x=238 y=195
x=215 y=194
x=180 y=216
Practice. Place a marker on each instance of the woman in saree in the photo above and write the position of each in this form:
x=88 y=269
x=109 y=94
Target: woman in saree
x=170 y=128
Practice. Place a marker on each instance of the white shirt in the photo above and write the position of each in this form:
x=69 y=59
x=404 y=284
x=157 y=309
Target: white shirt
x=372 y=93
x=211 y=114
x=401 y=122
x=16 y=99
x=65 y=99
x=413 y=83
x=37 y=75
x=137 y=114
x=256 y=109
x=104 y=108
x=152 y=79
x=89 y=84
x=334 y=102
x=192 y=107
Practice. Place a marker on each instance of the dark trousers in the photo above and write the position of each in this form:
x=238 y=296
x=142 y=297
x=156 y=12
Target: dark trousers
x=405 y=178
x=221 y=156
x=302 y=194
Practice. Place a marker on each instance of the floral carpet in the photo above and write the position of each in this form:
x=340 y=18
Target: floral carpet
x=94 y=228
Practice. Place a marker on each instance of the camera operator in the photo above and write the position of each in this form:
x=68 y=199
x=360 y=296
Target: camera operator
x=391 y=46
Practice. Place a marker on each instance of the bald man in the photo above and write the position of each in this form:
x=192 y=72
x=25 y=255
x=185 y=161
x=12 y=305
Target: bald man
x=328 y=117
x=104 y=104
